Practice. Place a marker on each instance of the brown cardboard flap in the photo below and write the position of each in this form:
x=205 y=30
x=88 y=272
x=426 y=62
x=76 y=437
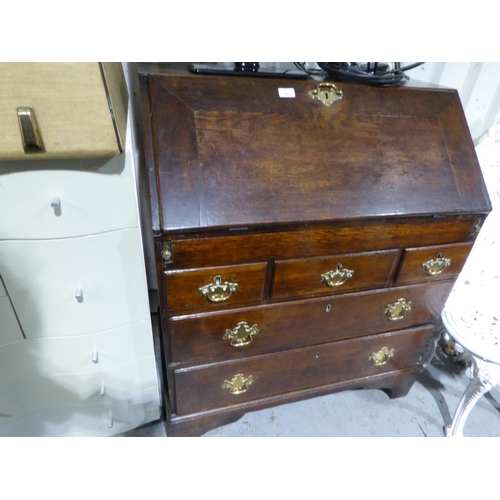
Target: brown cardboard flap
x=75 y=116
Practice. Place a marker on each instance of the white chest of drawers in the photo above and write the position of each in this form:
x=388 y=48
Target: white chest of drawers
x=76 y=346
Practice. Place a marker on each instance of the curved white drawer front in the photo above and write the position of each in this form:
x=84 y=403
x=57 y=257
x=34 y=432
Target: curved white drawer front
x=66 y=198
x=45 y=357
x=107 y=418
x=9 y=326
x=39 y=393
x=76 y=286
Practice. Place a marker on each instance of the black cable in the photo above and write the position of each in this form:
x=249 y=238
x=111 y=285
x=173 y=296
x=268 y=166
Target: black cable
x=369 y=74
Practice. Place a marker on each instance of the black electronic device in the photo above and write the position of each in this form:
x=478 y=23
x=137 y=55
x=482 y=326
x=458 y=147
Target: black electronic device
x=247 y=69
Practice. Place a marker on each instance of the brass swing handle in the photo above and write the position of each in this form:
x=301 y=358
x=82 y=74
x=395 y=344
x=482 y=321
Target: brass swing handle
x=242 y=334
x=239 y=384
x=436 y=266
x=337 y=277
x=381 y=357
x=398 y=310
x=218 y=291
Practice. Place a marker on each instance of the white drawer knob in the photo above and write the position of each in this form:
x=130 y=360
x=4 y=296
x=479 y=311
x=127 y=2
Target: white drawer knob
x=56 y=202
x=95 y=356
x=103 y=389
x=79 y=294
x=110 y=419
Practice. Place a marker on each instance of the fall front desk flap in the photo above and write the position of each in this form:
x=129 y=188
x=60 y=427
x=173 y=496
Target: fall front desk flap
x=241 y=151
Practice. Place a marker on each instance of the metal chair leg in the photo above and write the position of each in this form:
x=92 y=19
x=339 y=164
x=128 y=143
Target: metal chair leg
x=484 y=377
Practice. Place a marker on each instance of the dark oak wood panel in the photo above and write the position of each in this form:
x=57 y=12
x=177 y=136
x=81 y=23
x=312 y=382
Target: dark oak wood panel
x=302 y=277
x=198 y=338
x=200 y=388
x=306 y=241
x=395 y=384
x=413 y=259
x=234 y=153
x=182 y=286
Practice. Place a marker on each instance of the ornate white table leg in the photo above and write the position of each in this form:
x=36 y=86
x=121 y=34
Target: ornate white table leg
x=484 y=377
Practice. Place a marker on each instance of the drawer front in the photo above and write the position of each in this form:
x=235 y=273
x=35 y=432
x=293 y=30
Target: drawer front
x=10 y=331
x=66 y=199
x=106 y=418
x=265 y=376
x=333 y=274
x=38 y=393
x=45 y=277
x=436 y=262
x=215 y=287
x=270 y=328
x=83 y=354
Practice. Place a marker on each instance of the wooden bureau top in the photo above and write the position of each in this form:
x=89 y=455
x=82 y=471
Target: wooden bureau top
x=226 y=152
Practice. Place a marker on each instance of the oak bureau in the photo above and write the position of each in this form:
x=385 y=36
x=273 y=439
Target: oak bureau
x=303 y=246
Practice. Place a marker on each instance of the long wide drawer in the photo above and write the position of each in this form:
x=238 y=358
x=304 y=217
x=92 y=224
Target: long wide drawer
x=225 y=384
x=257 y=330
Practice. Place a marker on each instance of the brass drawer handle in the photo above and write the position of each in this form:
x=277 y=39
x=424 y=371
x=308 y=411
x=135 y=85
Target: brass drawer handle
x=436 y=266
x=381 y=357
x=327 y=93
x=398 y=310
x=218 y=291
x=242 y=334
x=30 y=134
x=239 y=384
x=337 y=277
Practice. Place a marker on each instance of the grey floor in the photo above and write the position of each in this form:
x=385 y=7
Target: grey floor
x=427 y=408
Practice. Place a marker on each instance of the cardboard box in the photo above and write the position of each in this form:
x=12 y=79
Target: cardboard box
x=79 y=109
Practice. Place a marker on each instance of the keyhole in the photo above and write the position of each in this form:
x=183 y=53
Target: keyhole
x=328 y=308
x=317 y=355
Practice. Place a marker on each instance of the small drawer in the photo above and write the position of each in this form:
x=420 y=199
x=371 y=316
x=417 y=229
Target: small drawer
x=226 y=384
x=429 y=263
x=215 y=286
x=333 y=274
x=250 y=331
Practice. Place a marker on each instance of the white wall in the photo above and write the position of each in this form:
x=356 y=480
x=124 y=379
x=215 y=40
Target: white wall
x=478 y=85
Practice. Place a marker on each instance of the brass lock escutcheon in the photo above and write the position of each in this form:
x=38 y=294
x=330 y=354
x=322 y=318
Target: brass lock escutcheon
x=218 y=291
x=381 y=357
x=398 y=310
x=242 y=334
x=239 y=384
x=30 y=133
x=436 y=266
x=166 y=252
x=337 y=277
x=327 y=93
